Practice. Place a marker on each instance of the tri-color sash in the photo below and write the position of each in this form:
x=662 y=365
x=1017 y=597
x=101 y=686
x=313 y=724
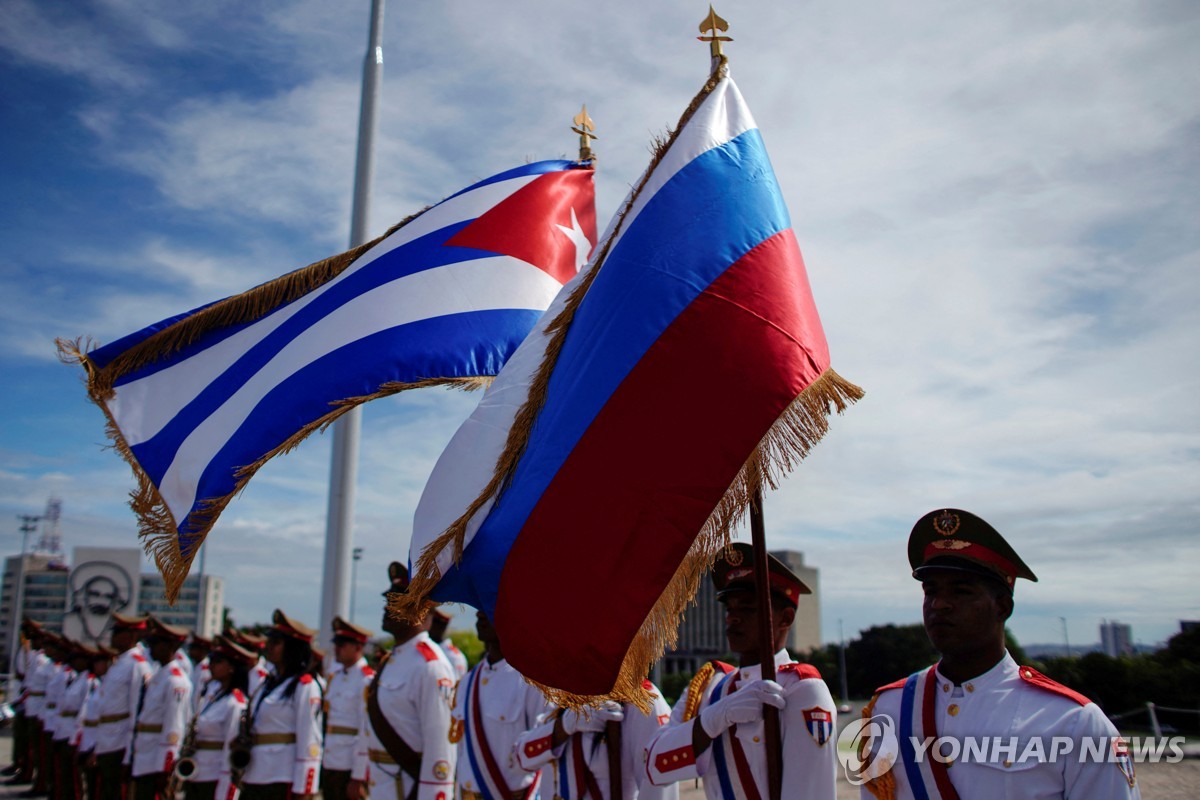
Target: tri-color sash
x=737 y=783
x=491 y=780
x=575 y=780
x=928 y=779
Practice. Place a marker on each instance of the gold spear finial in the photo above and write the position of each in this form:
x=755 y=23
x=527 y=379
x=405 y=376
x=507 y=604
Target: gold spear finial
x=584 y=126
x=714 y=23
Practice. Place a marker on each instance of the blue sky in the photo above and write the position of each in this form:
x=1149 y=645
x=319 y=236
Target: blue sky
x=997 y=207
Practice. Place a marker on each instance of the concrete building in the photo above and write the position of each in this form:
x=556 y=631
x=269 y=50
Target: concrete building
x=702 y=633
x=77 y=600
x=1116 y=639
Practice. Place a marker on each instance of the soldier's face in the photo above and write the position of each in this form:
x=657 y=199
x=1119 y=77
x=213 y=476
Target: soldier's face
x=962 y=613
x=483 y=628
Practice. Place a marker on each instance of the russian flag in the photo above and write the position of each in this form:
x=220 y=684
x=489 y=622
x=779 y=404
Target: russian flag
x=198 y=402
x=584 y=499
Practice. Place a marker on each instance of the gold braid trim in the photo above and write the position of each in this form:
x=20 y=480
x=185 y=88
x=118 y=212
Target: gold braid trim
x=696 y=690
x=157 y=527
x=883 y=787
x=787 y=442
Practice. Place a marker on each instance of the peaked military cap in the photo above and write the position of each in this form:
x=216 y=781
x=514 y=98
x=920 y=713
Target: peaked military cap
x=734 y=572
x=157 y=629
x=347 y=630
x=199 y=641
x=397 y=579
x=127 y=622
x=224 y=647
x=951 y=538
x=287 y=626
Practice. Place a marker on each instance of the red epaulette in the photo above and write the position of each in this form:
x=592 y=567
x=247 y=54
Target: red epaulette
x=370 y=673
x=647 y=685
x=306 y=678
x=237 y=695
x=1032 y=676
x=723 y=667
x=427 y=652
x=893 y=685
x=176 y=671
x=139 y=657
x=803 y=671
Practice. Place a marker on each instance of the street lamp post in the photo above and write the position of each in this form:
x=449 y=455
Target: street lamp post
x=356 y=556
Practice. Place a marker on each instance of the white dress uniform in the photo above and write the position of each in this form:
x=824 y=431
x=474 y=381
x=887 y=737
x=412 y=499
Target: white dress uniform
x=200 y=684
x=72 y=703
x=414 y=688
x=346 y=713
x=580 y=764
x=455 y=656
x=120 y=690
x=496 y=698
x=37 y=674
x=738 y=756
x=217 y=725
x=258 y=676
x=89 y=716
x=287 y=735
x=56 y=686
x=162 y=722
x=1018 y=705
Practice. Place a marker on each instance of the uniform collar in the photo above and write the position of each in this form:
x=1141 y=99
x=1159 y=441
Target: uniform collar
x=423 y=636
x=500 y=666
x=755 y=671
x=362 y=662
x=1005 y=668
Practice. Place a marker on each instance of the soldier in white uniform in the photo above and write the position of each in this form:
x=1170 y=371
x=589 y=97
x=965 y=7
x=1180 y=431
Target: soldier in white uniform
x=89 y=716
x=66 y=732
x=287 y=719
x=26 y=661
x=120 y=691
x=403 y=752
x=345 y=706
x=493 y=707
x=574 y=749
x=967 y=572
x=38 y=668
x=716 y=729
x=437 y=631
x=163 y=716
x=58 y=648
x=198 y=649
x=216 y=725
x=254 y=643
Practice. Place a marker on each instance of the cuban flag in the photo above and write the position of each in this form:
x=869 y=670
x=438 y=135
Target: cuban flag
x=585 y=498
x=819 y=722
x=198 y=402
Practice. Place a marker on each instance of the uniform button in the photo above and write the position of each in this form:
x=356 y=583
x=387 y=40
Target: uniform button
x=484 y=681
x=1007 y=763
x=756 y=739
x=953 y=710
x=945 y=687
x=950 y=763
x=970 y=687
x=502 y=718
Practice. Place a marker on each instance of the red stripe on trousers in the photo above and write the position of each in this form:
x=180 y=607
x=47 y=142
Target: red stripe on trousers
x=609 y=532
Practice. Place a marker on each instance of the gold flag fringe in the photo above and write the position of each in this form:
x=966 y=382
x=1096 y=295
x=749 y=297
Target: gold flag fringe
x=415 y=603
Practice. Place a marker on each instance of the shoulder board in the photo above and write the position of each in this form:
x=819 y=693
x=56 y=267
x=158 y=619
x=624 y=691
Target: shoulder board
x=262 y=673
x=893 y=685
x=176 y=671
x=366 y=670
x=449 y=646
x=1032 y=676
x=139 y=657
x=237 y=695
x=647 y=685
x=803 y=671
x=427 y=652
x=306 y=678
x=723 y=667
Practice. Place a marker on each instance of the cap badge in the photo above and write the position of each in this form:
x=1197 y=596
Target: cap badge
x=733 y=557
x=951 y=544
x=946 y=523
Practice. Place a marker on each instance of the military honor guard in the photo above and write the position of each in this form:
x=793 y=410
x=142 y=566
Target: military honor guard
x=346 y=706
x=493 y=707
x=215 y=727
x=403 y=752
x=28 y=657
x=162 y=716
x=286 y=719
x=68 y=779
x=89 y=715
x=574 y=748
x=198 y=649
x=967 y=573
x=716 y=729
x=57 y=675
x=120 y=690
x=437 y=632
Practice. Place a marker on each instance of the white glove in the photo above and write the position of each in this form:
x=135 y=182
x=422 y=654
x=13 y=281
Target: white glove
x=743 y=706
x=595 y=720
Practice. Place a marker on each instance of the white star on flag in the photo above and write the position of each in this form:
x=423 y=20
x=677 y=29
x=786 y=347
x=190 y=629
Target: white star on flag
x=579 y=238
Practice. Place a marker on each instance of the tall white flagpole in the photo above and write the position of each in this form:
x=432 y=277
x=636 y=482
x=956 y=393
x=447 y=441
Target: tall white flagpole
x=339 y=526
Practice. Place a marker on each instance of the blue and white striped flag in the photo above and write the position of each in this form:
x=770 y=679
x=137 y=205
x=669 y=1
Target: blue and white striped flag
x=198 y=402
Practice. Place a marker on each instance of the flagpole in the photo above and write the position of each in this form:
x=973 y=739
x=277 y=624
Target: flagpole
x=339 y=524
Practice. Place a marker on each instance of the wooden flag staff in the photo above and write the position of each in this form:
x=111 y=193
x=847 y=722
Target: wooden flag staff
x=714 y=26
